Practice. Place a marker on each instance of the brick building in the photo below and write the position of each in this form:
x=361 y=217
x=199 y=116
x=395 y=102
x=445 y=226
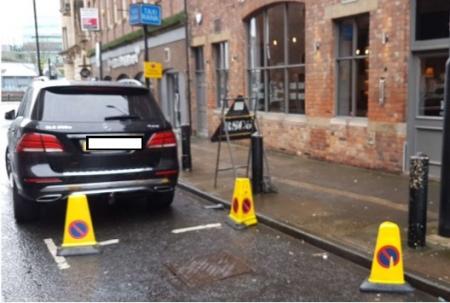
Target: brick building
x=122 y=49
x=358 y=82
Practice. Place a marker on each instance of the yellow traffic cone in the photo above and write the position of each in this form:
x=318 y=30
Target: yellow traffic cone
x=242 y=212
x=387 y=265
x=79 y=238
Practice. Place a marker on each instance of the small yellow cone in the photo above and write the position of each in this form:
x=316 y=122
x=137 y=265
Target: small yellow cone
x=242 y=212
x=79 y=237
x=387 y=266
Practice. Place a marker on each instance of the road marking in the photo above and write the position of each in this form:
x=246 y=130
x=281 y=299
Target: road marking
x=108 y=242
x=60 y=261
x=199 y=227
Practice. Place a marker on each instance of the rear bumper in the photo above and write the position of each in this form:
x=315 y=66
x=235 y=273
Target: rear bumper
x=55 y=192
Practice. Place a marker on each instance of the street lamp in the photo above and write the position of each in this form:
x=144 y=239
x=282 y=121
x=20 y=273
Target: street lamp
x=37 y=40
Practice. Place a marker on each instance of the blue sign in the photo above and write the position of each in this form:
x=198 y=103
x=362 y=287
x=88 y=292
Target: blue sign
x=145 y=14
x=78 y=229
x=386 y=254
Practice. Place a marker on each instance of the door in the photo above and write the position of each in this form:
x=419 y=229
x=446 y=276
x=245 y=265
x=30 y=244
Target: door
x=200 y=86
x=426 y=108
x=172 y=102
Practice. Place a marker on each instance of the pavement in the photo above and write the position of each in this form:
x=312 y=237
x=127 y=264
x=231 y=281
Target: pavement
x=337 y=203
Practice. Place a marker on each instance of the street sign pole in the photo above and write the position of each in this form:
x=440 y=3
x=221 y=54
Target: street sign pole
x=38 y=52
x=444 y=209
x=147 y=80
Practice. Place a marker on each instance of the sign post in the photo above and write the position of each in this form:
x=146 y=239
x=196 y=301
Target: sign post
x=142 y=14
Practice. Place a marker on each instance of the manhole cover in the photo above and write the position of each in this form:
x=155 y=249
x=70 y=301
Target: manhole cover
x=207 y=269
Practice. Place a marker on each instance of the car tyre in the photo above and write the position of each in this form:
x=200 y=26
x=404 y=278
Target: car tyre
x=161 y=200
x=25 y=210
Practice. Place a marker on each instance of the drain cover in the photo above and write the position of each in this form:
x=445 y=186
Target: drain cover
x=207 y=269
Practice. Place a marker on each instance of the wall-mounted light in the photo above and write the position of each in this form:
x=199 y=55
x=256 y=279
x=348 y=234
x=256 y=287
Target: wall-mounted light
x=384 y=38
x=275 y=42
x=317 y=46
x=367 y=51
x=294 y=39
x=358 y=52
x=198 y=18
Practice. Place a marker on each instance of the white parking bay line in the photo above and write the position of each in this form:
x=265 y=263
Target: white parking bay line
x=109 y=242
x=193 y=228
x=60 y=261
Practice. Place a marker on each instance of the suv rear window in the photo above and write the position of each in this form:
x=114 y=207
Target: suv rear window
x=96 y=104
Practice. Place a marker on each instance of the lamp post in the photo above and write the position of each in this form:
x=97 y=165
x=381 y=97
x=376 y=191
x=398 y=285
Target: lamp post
x=37 y=39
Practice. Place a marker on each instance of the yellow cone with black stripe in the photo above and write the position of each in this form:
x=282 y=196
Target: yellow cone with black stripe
x=79 y=237
x=387 y=265
x=242 y=212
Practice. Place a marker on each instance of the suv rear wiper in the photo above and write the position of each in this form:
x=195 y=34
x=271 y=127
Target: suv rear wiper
x=122 y=117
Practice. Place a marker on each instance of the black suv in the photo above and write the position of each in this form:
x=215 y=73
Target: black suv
x=51 y=151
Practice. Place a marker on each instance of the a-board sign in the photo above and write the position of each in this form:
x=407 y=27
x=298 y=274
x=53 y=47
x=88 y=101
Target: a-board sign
x=238 y=121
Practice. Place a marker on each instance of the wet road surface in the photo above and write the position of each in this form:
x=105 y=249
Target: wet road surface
x=151 y=263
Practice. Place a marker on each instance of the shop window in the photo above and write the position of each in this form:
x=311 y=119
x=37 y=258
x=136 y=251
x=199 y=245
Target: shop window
x=352 y=66
x=432 y=19
x=432 y=82
x=222 y=66
x=276 y=50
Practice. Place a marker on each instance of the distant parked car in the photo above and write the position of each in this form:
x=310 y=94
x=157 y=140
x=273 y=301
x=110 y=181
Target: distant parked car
x=56 y=145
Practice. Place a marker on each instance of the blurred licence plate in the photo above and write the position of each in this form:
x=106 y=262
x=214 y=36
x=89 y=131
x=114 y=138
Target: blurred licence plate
x=111 y=143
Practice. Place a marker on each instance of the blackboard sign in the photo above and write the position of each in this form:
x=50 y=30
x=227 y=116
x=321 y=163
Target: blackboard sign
x=238 y=121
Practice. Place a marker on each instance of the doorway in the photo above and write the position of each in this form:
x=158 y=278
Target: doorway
x=426 y=110
x=200 y=87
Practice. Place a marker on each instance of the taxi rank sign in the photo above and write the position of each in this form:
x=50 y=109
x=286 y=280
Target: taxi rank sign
x=238 y=122
x=145 y=14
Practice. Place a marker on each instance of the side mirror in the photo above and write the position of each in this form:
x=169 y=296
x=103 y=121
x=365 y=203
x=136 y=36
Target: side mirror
x=10 y=115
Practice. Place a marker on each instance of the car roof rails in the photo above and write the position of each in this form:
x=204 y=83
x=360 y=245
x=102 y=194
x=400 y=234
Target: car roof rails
x=130 y=81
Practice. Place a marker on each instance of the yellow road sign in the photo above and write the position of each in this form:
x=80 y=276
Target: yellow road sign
x=153 y=70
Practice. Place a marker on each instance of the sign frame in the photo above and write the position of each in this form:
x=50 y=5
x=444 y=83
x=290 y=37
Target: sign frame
x=144 y=14
x=89 y=19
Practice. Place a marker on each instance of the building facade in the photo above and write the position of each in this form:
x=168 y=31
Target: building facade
x=122 y=52
x=358 y=82
x=74 y=40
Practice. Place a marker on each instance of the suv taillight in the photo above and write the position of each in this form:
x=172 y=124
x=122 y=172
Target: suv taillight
x=34 y=142
x=162 y=140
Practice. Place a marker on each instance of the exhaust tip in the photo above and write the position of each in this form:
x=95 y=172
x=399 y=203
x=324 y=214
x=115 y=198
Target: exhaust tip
x=49 y=198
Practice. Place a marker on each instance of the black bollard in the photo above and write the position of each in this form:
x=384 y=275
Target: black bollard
x=418 y=198
x=186 y=161
x=257 y=163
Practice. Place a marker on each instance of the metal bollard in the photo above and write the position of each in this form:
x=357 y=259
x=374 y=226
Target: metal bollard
x=418 y=199
x=186 y=161
x=257 y=163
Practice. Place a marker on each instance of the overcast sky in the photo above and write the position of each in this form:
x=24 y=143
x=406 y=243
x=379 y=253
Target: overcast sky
x=16 y=19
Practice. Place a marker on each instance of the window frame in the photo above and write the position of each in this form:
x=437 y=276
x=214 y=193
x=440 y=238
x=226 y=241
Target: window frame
x=423 y=45
x=222 y=69
x=265 y=68
x=353 y=59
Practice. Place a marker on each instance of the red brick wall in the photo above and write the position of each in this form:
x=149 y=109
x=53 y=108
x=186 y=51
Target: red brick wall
x=375 y=142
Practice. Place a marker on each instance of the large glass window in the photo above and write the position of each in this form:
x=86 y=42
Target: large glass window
x=352 y=66
x=432 y=82
x=432 y=19
x=276 y=48
x=222 y=66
